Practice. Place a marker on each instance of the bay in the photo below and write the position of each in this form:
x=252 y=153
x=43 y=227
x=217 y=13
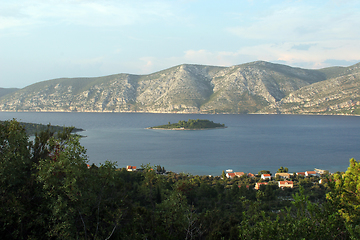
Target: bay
x=250 y=143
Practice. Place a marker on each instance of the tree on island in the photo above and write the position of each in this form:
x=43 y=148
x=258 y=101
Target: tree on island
x=191 y=124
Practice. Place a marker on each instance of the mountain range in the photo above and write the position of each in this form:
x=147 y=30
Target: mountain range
x=256 y=87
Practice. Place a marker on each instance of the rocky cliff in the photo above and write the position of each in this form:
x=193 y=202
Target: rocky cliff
x=257 y=87
x=337 y=95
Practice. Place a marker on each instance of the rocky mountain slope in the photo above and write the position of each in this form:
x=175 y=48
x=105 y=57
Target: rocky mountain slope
x=337 y=95
x=257 y=87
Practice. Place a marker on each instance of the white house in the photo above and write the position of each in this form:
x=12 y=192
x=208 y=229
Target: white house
x=283 y=184
x=266 y=176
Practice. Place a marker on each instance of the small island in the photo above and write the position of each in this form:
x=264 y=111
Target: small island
x=191 y=124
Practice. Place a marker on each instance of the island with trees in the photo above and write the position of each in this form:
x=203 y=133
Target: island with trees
x=191 y=124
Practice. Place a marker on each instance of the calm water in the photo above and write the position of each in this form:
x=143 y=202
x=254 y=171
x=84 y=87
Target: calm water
x=250 y=143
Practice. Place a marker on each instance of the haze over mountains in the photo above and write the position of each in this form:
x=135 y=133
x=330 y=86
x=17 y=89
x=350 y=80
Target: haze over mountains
x=5 y=91
x=256 y=87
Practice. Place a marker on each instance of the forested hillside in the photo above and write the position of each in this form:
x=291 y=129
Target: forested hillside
x=48 y=191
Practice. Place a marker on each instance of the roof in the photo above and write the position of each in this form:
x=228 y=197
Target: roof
x=239 y=173
x=250 y=175
x=300 y=173
x=310 y=172
x=285 y=182
x=130 y=167
x=321 y=171
x=257 y=185
x=282 y=174
x=260 y=183
x=266 y=175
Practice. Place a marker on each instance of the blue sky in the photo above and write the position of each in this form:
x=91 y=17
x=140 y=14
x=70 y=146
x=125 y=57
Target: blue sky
x=46 y=39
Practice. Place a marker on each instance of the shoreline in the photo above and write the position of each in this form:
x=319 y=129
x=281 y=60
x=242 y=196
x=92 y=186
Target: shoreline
x=184 y=129
x=164 y=112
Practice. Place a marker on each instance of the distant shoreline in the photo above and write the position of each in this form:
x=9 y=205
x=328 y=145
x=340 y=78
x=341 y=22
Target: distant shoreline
x=201 y=113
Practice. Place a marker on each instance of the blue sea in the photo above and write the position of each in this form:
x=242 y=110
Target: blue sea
x=250 y=143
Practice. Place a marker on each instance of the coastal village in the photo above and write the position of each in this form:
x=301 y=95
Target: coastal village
x=282 y=178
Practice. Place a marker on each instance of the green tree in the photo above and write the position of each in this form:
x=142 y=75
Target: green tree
x=84 y=203
x=47 y=190
x=23 y=205
x=283 y=170
x=345 y=194
x=176 y=218
x=223 y=175
x=303 y=220
x=16 y=191
x=263 y=172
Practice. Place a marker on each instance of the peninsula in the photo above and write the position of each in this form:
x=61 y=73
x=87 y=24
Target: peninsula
x=32 y=128
x=191 y=124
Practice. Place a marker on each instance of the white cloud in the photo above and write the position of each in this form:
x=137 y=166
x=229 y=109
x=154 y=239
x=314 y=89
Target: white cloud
x=101 y=37
x=88 y=61
x=217 y=58
x=300 y=23
x=147 y=65
x=315 y=57
x=302 y=34
x=89 y=13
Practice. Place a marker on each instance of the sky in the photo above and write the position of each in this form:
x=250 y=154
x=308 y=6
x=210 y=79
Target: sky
x=47 y=39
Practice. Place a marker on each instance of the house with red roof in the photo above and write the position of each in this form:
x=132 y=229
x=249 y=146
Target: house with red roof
x=283 y=184
x=230 y=175
x=266 y=176
x=258 y=185
x=239 y=174
x=310 y=173
x=131 y=168
x=283 y=175
x=250 y=175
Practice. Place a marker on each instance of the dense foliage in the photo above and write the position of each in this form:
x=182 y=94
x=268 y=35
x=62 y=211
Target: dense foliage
x=191 y=124
x=32 y=128
x=47 y=191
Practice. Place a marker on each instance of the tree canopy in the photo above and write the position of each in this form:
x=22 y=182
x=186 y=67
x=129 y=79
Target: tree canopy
x=49 y=190
x=283 y=170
